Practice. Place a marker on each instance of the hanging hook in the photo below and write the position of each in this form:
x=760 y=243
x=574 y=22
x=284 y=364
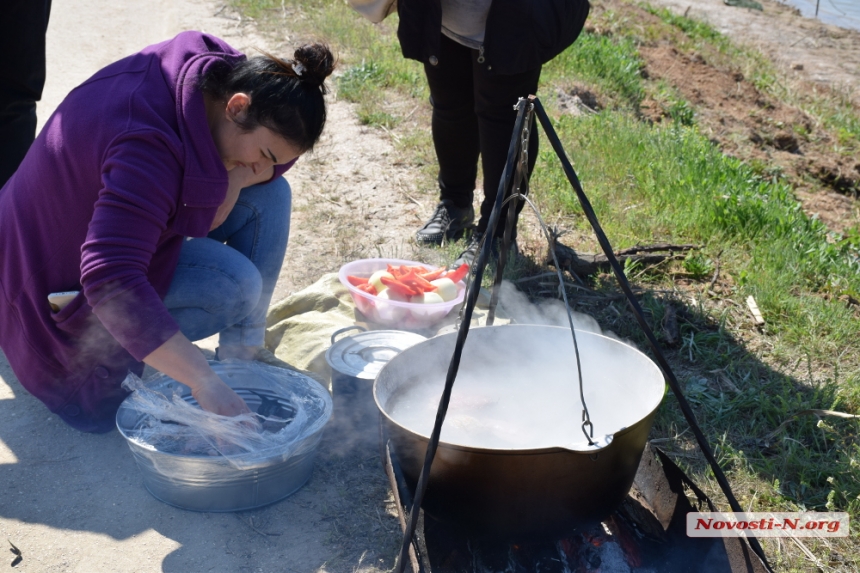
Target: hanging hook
x=589 y=434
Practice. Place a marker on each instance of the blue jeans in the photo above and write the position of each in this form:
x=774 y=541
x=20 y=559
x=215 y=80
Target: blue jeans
x=224 y=282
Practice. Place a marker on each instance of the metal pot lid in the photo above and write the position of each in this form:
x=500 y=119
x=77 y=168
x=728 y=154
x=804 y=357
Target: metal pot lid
x=363 y=355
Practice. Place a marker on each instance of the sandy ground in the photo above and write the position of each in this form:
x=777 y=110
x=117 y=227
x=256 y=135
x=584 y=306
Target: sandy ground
x=75 y=503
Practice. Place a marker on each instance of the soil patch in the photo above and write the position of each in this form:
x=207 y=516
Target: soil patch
x=746 y=123
x=755 y=127
x=805 y=48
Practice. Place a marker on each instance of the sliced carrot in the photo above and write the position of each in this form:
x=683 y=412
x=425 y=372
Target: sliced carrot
x=458 y=274
x=356 y=281
x=432 y=275
x=363 y=304
x=417 y=282
x=399 y=288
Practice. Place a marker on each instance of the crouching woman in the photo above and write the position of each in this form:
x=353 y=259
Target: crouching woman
x=155 y=193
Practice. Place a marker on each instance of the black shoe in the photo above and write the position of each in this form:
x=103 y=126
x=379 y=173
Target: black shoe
x=473 y=247
x=447 y=222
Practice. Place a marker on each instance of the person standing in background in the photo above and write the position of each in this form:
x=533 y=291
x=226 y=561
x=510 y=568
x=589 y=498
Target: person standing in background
x=480 y=57
x=22 y=76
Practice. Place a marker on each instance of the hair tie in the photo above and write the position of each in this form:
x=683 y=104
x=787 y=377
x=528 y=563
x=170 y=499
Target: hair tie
x=298 y=68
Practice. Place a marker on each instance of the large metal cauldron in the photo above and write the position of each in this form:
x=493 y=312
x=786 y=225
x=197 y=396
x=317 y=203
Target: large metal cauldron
x=541 y=477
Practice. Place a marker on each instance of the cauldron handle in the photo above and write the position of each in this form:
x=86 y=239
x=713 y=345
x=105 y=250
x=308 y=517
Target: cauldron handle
x=346 y=329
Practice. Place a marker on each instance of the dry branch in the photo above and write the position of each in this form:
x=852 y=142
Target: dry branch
x=580 y=265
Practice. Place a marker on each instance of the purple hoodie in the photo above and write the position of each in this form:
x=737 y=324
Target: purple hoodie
x=122 y=171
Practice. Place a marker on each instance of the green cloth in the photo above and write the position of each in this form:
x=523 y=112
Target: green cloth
x=751 y=4
x=299 y=328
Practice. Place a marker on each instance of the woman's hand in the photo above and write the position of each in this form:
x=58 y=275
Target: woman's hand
x=215 y=396
x=184 y=362
x=237 y=179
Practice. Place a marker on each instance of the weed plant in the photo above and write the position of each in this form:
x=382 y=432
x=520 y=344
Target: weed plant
x=611 y=64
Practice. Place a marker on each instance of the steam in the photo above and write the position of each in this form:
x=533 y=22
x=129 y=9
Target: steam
x=354 y=427
x=515 y=305
x=518 y=387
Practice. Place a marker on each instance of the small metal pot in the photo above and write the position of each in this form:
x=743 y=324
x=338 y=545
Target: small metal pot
x=355 y=361
x=211 y=483
x=523 y=492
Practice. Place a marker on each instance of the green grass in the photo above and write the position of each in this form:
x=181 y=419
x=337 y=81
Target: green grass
x=690 y=192
x=668 y=183
x=830 y=107
x=695 y=30
x=613 y=65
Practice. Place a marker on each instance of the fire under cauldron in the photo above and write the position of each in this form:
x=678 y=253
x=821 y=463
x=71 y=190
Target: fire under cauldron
x=513 y=461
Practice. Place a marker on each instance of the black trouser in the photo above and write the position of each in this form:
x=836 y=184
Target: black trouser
x=473 y=113
x=23 y=24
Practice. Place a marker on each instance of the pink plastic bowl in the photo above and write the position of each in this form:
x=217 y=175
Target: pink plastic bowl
x=401 y=315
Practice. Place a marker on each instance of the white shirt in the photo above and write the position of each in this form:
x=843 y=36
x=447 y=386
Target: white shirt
x=464 y=21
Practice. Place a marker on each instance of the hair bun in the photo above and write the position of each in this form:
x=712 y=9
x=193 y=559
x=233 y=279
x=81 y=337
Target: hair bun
x=317 y=63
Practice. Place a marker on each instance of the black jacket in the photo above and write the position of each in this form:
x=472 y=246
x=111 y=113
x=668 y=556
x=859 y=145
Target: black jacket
x=520 y=34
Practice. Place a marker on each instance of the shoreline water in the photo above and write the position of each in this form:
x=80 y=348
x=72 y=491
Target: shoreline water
x=805 y=48
x=842 y=13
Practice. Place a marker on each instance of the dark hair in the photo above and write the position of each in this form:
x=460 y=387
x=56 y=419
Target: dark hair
x=286 y=96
